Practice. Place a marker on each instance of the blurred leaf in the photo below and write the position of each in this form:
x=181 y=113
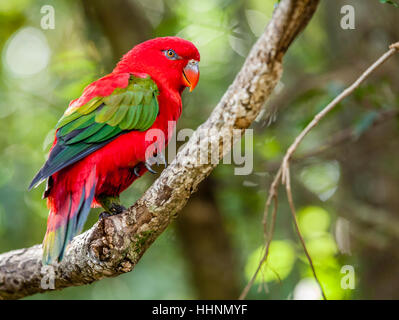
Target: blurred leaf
x=309 y=94
x=331 y=283
x=13 y=7
x=270 y=148
x=365 y=122
x=322 y=250
x=6 y=170
x=257 y=21
x=334 y=88
x=390 y=2
x=313 y=221
x=48 y=140
x=3 y=225
x=322 y=178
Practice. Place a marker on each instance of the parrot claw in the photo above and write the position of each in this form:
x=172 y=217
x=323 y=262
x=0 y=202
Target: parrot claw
x=148 y=166
x=113 y=210
x=136 y=171
x=157 y=159
x=117 y=209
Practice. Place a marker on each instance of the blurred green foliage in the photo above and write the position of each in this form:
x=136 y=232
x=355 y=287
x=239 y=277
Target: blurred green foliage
x=42 y=70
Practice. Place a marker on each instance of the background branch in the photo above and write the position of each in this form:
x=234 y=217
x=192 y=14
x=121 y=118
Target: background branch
x=347 y=135
x=283 y=174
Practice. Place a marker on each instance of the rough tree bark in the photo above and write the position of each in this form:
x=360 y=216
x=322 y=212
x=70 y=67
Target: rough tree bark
x=114 y=245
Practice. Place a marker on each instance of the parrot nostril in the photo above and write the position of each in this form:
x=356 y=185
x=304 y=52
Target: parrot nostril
x=193 y=62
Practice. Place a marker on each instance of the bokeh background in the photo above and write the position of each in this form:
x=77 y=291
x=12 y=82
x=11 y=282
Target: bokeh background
x=345 y=176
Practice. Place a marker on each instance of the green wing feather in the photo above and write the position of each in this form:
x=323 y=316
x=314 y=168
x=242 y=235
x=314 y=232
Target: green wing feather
x=100 y=120
x=134 y=107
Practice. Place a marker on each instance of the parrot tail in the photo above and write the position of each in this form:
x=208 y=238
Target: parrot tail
x=67 y=220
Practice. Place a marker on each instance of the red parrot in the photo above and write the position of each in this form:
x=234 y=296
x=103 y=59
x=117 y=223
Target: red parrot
x=100 y=142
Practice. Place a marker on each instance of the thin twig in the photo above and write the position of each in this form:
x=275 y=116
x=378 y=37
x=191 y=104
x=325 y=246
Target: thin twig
x=283 y=174
x=268 y=239
x=273 y=193
x=344 y=136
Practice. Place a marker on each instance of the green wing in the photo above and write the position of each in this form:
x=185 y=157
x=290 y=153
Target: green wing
x=102 y=119
x=133 y=107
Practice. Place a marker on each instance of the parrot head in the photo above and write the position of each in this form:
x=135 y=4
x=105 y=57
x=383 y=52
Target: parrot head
x=171 y=61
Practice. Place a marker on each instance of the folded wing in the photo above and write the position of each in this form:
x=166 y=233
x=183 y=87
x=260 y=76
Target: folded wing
x=99 y=121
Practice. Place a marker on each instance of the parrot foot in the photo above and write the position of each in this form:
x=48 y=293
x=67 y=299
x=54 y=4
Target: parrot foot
x=114 y=209
x=103 y=215
x=117 y=209
x=136 y=171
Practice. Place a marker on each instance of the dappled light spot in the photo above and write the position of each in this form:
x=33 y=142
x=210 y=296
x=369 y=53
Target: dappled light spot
x=322 y=248
x=203 y=5
x=13 y=7
x=279 y=263
x=307 y=289
x=313 y=221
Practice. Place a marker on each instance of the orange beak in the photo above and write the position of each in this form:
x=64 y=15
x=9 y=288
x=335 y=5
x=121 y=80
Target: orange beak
x=191 y=74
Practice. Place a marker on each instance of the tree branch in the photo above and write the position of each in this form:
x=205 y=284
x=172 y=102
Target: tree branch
x=114 y=245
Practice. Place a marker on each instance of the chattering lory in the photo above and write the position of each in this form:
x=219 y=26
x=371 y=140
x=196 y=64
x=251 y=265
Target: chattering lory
x=100 y=144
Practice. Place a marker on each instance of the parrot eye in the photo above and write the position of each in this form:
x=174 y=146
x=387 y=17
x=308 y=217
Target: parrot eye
x=170 y=54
